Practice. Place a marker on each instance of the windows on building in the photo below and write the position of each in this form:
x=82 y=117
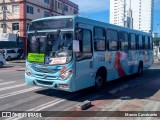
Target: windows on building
x=46 y=14
x=46 y=1
x=38 y=10
x=75 y=11
x=27 y=26
x=15 y=26
x=3 y=26
x=59 y=5
x=3 y=8
x=15 y=9
x=65 y=7
x=30 y=9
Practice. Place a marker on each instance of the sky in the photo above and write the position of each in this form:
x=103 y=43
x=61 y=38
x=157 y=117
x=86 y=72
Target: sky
x=99 y=10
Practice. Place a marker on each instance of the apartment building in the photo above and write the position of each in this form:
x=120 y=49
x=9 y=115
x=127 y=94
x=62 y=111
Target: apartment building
x=15 y=15
x=134 y=14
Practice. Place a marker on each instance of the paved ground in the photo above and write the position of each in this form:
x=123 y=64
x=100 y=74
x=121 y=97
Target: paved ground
x=127 y=94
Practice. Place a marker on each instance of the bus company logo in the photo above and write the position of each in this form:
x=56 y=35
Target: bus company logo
x=44 y=76
x=6 y=114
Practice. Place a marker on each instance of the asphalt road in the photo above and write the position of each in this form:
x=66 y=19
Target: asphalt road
x=128 y=94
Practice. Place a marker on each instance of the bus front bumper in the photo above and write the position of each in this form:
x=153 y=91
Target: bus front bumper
x=53 y=84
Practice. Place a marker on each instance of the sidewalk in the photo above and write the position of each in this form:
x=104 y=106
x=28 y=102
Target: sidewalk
x=17 y=61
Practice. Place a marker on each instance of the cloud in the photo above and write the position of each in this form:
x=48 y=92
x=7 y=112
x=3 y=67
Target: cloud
x=92 y=6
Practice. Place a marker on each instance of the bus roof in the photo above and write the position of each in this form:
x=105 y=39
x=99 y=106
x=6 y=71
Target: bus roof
x=95 y=23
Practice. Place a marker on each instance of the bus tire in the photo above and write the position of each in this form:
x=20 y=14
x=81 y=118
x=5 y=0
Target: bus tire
x=140 y=69
x=9 y=58
x=1 y=64
x=99 y=81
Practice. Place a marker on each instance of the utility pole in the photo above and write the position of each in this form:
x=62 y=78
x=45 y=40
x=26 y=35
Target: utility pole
x=124 y=13
x=129 y=17
x=158 y=30
x=4 y=10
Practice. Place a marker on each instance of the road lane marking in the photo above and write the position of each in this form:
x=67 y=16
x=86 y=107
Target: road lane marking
x=52 y=103
x=18 y=92
x=18 y=102
x=46 y=105
x=5 y=83
x=11 y=87
x=39 y=108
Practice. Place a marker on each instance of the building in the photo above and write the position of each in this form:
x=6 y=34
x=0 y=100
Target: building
x=134 y=14
x=155 y=35
x=15 y=15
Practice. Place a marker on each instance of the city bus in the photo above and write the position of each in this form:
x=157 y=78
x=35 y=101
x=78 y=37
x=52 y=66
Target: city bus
x=70 y=53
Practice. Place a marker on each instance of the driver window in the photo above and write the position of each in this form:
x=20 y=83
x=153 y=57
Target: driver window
x=67 y=40
x=84 y=36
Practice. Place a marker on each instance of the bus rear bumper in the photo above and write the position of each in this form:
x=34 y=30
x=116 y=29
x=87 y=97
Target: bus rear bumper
x=56 y=84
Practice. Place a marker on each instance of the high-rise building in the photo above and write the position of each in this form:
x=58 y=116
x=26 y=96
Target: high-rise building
x=134 y=14
x=15 y=15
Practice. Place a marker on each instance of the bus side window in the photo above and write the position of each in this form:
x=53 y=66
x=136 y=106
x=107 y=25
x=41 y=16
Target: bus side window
x=146 y=42
x=84 y=36
x=99 y=39
x=112 y=40
x=151 y=43
x=132 y=42
x=123 y=38
x=140 y=42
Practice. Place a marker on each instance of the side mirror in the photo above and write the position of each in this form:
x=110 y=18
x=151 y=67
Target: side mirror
x=76 y=47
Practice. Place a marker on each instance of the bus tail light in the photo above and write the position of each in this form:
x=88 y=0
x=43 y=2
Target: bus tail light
x=65 y=75
x=28 y=72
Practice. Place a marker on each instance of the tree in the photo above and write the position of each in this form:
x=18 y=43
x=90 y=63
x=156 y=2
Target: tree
x=156 y=41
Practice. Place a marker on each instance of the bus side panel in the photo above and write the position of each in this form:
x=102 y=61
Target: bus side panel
x=147 y=58
x=132 y=62
x=112 y=61
x=106 y=59
x=84 y=74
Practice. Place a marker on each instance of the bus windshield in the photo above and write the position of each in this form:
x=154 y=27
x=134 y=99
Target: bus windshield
x=50 y=48
x=51 y=24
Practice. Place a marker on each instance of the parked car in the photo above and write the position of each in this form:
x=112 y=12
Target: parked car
x=9 y=54
x=2 y=60
x=20 y=52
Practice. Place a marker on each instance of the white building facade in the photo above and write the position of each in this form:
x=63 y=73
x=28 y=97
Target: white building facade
x=134 y=14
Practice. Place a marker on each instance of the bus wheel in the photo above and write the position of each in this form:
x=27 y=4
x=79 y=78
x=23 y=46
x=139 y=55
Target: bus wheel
x=9 y=58
x=99 y=81
x=140 y=69
x=1 y=64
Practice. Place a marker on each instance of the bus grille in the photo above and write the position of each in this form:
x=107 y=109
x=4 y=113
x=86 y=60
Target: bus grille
x=47 y=77
x=44 y=70
x=44 y=82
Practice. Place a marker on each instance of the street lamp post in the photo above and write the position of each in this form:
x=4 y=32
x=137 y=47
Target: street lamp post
x=158 y=30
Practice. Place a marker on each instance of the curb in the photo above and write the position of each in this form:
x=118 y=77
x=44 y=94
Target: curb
x=20 y=61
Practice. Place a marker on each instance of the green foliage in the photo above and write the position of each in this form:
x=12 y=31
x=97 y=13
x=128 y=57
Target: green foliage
x=156 y=40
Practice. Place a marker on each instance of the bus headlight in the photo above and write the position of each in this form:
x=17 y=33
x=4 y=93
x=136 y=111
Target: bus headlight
x=65 y=75
x=28 y=72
